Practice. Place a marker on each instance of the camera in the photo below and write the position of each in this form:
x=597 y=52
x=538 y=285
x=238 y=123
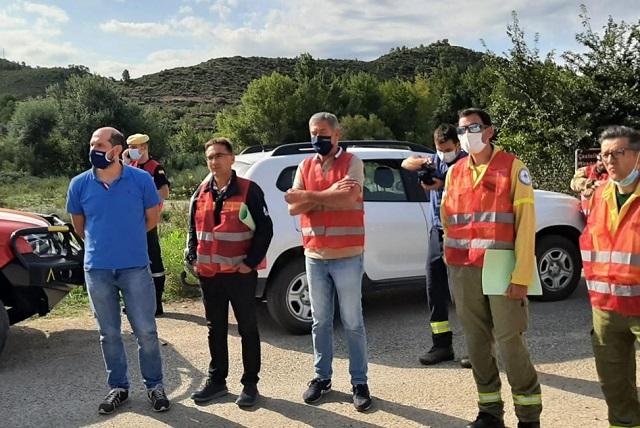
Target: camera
x=426 y=173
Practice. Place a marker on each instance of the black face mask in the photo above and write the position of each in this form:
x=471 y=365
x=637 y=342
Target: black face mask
x=321 y=144
x=99 y=159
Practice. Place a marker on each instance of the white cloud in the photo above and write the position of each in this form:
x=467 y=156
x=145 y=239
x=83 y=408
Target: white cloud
x=185 y=10
x=137 y=29
x=52 y=13
x=223 y=8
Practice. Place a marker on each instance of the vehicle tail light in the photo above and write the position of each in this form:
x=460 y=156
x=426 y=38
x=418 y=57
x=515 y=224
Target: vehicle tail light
x=23 y=246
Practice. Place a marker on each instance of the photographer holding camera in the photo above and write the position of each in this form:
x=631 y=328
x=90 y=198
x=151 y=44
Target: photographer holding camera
x=432 y=171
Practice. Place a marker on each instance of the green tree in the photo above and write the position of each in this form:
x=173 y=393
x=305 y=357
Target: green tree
x=125 y=76
x=359 y=127
x=32 y=131
x=609 y=68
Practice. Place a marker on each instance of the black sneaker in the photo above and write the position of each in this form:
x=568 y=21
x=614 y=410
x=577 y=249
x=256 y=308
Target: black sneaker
x=361 y=397
x=114 y=398
x=528 y=424
x=210 y=391
x=485 y=420
x=248 y=397
x=437 y=355
x=158 y=398
x=317 y=388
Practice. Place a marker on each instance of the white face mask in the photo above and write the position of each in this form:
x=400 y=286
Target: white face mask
x=446 y=157
x=135 y=154
x=472 y=142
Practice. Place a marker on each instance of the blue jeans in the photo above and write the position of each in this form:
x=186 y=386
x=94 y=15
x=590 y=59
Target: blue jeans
x=136 y=285
x=344 y=278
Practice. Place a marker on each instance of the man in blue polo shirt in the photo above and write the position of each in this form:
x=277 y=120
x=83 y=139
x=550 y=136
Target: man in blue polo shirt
x=112 y=207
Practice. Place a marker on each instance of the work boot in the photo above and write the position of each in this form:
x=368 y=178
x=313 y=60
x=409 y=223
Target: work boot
x=437 y=355
x=485 y=420
x=249 y=396
x=465 y=362
x=528 y=424
x=210 y=391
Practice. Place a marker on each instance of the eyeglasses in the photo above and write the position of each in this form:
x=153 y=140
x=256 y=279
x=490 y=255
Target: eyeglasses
x=474 y=128
x=218 y=156
x=613 y=155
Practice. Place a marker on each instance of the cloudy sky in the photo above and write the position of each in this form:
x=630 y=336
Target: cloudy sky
x=146 y=36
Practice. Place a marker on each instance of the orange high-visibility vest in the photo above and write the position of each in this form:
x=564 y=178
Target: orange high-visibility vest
x=612 y=261
x=481 y=217
x=221 y=248
x=334 y=228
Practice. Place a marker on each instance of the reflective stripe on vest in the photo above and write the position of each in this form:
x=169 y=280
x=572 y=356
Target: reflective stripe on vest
x=332 y=231
x=216 y=258
x=483 y=217
x=614 y=289
x=610 y=257
x=478 y=244
x=331 y=228
x=224 y=236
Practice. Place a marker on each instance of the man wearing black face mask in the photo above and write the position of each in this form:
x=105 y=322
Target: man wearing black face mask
x=327 y=193
x=112 y=207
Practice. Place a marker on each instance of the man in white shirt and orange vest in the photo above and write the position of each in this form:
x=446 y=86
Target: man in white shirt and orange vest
x=327 y=194
x=225 y=249
x=610 y=247
x=488 y=203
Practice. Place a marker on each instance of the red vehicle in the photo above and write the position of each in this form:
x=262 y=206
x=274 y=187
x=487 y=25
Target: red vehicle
x=41 y=260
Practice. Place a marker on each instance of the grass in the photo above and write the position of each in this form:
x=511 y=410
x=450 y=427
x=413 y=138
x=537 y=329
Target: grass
x=48 y=195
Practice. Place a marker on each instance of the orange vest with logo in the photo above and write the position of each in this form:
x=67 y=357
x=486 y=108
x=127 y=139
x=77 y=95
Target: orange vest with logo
x=221 y=248
x=331 y=228
x=482 y=217
x=612 y=261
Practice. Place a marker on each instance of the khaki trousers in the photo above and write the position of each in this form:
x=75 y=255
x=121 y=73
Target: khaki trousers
x=495 y=320
x=613 y=340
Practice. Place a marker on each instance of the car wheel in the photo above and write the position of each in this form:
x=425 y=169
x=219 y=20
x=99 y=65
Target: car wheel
x=288 y=298
x=4 y=326
x=559 y=267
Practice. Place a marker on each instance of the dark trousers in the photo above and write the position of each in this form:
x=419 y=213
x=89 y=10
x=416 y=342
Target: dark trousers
x=157 y=267
x=438 y=293
x=239 y=290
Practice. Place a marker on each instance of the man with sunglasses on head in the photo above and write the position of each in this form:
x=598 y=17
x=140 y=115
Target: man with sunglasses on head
x=229 y=233
x=610 y=247
x=448 y=152
x=488 y=204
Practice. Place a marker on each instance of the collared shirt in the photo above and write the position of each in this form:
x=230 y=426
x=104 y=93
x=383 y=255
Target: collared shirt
x=441 y=174
x=523 y=208
x=115 y=223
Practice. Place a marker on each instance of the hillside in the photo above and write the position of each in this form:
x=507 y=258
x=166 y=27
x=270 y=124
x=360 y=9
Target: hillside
x=22 y=81
x=221 y=81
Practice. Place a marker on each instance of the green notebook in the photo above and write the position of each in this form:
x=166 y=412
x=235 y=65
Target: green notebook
x=245 y=217
x=496 y=273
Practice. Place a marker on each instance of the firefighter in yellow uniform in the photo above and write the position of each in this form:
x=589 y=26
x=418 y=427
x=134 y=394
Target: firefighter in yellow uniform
x=488 y=203
x=610 y=248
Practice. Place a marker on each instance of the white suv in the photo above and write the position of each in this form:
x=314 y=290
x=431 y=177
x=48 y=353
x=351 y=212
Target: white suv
x=397 y=224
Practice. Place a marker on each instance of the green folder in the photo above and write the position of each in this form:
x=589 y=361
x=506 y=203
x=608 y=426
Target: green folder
x=245 y=217
x=496 y=273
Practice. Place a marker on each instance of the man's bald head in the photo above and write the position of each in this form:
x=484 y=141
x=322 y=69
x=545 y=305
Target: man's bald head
x=110 y=135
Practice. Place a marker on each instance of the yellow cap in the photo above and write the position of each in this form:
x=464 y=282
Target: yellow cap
x=137 y=139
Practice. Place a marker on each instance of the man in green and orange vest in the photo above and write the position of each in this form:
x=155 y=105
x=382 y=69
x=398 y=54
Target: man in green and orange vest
x=229 y=234
x=488 y=203
x=610 y=247
x=327 y=194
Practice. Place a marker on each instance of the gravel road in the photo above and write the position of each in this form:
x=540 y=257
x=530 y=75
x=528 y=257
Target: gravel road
x=52 y=375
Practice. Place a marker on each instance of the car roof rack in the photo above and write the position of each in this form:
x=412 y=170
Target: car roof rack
x=302 y=148
x=258 y=149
